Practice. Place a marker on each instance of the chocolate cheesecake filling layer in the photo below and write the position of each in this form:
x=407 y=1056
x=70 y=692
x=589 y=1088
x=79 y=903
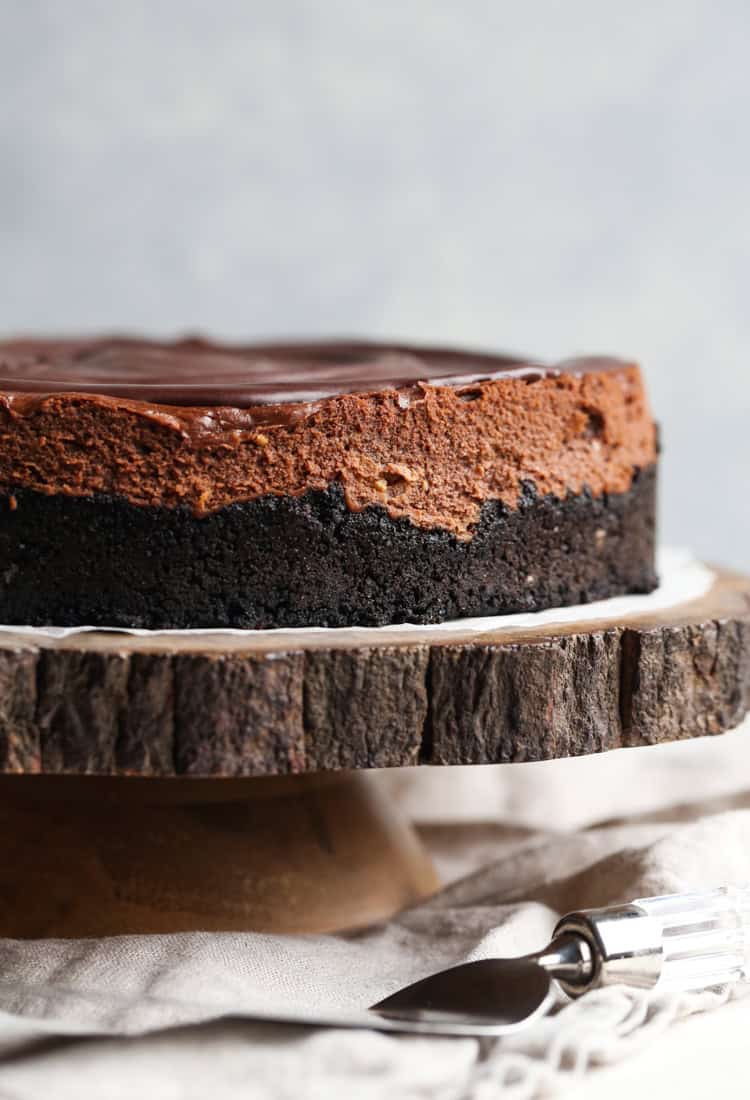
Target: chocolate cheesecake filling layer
x=311 y=561
x=427 y=436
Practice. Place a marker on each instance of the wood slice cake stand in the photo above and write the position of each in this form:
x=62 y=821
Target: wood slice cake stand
x=170 y=783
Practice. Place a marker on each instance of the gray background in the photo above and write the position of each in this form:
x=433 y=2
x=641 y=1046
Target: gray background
x=545 y=177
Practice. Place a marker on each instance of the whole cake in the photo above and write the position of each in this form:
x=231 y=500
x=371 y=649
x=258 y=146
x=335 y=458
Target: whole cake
x=170 y=485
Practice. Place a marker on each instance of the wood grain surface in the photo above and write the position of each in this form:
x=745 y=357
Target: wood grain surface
x=112 y=704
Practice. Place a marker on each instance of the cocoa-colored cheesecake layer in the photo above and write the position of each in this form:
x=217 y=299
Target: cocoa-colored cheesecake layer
x=428 y=435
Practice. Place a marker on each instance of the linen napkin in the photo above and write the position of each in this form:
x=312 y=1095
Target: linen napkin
x=156 y=1016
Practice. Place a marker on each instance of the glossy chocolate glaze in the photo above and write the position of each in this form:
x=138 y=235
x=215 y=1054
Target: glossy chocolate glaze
x=194 y=373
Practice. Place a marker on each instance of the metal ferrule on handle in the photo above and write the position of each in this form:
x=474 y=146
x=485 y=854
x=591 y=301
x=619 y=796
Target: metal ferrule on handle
x=676 y=942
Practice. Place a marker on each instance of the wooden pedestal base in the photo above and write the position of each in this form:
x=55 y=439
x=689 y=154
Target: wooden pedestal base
x=93 y=856
x=179 y=782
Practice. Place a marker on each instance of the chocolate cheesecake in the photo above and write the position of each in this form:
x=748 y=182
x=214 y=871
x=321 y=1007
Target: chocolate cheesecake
x=172 y=485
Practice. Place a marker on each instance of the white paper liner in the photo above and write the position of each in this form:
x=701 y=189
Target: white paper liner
x=682 y=578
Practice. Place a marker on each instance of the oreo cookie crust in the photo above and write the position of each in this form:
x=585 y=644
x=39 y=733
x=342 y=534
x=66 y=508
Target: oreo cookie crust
x=311 y=561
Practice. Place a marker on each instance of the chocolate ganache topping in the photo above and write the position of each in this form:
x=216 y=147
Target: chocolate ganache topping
x=194 y=373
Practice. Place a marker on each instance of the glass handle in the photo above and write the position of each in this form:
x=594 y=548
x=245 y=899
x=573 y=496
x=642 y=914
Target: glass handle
x=705 y=938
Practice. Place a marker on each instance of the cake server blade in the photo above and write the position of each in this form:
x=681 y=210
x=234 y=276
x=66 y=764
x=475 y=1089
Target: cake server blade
x=501 y=993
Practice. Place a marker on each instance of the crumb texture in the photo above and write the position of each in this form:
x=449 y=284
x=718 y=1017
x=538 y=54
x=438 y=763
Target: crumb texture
x=312 y=561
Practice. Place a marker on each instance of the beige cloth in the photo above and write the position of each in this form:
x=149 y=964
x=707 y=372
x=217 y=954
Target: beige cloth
x=155 y=1003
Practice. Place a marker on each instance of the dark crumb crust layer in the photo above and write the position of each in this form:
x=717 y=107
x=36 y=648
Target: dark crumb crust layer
x=309 y=561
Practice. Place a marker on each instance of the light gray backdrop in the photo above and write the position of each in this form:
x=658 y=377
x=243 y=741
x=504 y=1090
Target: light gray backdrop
x=545 y=177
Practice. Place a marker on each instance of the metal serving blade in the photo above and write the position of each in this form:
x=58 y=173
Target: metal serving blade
x=502 y=994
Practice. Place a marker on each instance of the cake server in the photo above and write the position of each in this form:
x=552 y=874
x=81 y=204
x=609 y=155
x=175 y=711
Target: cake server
x=676 y=942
